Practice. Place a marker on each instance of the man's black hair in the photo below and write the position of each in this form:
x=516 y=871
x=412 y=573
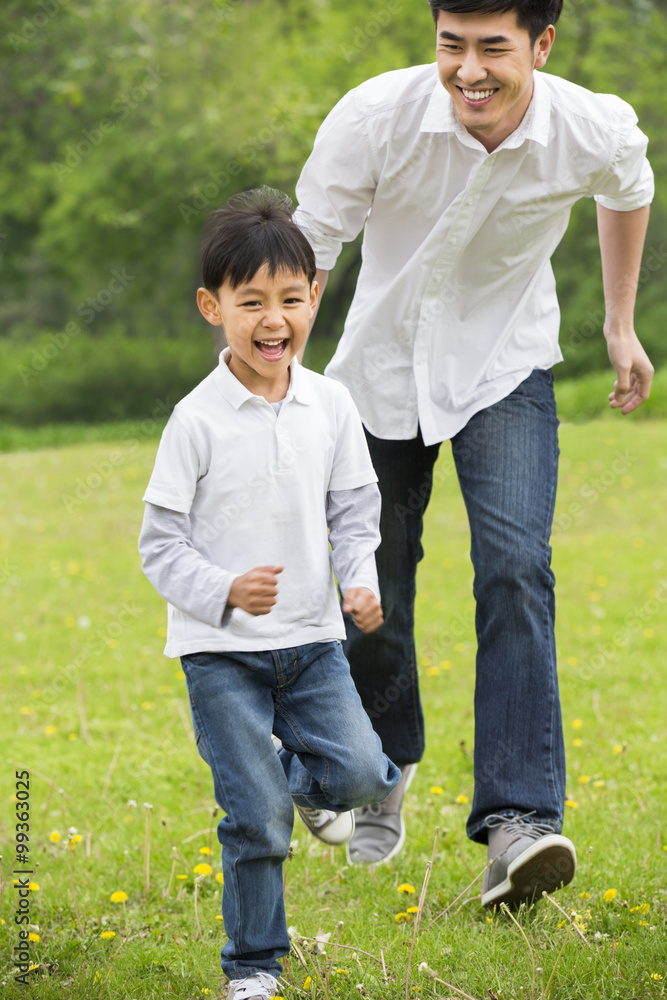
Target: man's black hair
x=254 y=228
x=531 y=15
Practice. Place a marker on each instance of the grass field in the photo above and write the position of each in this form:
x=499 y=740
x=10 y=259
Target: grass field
x=99 y=719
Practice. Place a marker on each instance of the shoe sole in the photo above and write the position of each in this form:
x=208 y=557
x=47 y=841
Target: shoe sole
x=548 y=865
x=398 y=846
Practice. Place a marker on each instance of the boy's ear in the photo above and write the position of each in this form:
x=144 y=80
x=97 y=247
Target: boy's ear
x=314 y=296
x=209 y=307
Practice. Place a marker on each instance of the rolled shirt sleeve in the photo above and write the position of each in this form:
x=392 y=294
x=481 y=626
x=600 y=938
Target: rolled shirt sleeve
x=629 y=184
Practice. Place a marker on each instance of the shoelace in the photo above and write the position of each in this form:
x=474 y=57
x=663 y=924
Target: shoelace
x=318 y=817
x=518 y=824
x=259 y=985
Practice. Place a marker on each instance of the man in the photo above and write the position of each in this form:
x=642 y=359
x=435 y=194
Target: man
x=464 y=174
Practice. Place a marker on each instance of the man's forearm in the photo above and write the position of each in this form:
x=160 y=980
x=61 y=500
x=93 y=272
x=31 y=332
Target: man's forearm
x=622 y=237
x=321 y=277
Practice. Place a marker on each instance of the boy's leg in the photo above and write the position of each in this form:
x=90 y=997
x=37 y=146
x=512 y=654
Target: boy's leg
x=332 y=757
x=231 y=699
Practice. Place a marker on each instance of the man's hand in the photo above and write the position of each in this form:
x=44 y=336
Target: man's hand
x=256 y=591
x=633 y=369
x=364 y=607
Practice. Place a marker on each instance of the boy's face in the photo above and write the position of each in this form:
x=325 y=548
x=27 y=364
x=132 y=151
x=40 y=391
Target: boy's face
x=486 y=64
x=266 y=322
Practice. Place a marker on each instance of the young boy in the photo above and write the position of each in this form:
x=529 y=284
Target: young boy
x=254 y=466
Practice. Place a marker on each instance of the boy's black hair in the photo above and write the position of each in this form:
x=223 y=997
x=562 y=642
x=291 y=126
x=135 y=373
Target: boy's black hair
x=532 y=15
x=254 y=228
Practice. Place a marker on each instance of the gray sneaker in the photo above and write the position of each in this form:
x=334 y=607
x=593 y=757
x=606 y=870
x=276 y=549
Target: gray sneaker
x=527 y=860
x=380 y=831
x=260 y=986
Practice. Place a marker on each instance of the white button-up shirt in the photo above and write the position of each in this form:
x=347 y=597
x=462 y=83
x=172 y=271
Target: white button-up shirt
x=456 y=301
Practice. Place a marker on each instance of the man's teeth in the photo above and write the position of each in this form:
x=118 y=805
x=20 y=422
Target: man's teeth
x=477 y=95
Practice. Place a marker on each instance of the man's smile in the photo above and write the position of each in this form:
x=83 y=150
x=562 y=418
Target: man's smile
x=477 y=98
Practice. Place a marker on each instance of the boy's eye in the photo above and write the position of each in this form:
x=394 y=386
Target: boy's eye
x=292 y=300
x=252 y=302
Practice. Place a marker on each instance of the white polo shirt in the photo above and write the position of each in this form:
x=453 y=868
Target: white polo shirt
x=456 y=300
x=255 y=485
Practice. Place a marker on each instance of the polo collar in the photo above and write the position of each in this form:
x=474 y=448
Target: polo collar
x=236 y=393
x=441 y=116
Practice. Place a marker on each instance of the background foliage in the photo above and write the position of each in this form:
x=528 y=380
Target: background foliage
x=126 y=123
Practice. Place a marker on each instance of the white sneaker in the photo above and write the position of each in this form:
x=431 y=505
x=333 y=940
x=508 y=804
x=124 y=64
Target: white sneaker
x=330 y=827
x=261 y=986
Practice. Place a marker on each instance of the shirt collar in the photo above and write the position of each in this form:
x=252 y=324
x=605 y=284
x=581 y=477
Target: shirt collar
x=441 y=116
x=237 y=394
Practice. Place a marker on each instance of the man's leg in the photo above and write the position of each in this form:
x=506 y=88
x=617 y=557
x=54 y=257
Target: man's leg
x=507 y=461
x=383 y=663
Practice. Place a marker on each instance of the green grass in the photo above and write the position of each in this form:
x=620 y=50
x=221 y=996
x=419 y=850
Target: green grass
x=100 y=719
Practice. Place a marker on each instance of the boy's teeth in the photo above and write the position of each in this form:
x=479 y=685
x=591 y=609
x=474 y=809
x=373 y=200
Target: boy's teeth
x=477 y=95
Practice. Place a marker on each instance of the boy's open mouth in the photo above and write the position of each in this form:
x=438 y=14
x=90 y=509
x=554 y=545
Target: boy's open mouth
x=271 y=350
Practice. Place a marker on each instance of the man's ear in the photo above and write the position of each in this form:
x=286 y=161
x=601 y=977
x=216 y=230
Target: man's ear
x=209 y=306
x=543 y=46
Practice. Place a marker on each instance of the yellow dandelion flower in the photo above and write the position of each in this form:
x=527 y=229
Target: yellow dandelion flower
x=599 y=783
x=401 y=918
x=433 y=671
x=219 y=916
x=415 y=989
x=584 y=779
x=649 y=633
x=205 y=991
x=107 y=935
x=435 y=790
x=584 y=895
x=54 y=837
x=147 y=705
x=74 y=840
x=462 y=799
x=50 y=730
x=163 y=689
x=118 y=896
x=181 y=876
x=656 y=976
x=73 y=567
x=70 y=622
x=459 y=647
x=406 y=887
x=489 y=920
x=577 y=723
x=162 y=632
x=219 y=877
x=33 y=937
x=306 y=983
x=202 y=869
x=26 y=710
x=618 y=748
x=72 y=736
x=446 y=665
x=643 y=923
x=412 y=909
x=578 y=742
x=609 y=895
x=342 y=972
x=205 y=850
x=33 y=886
x=571 y=803
x=572 y=661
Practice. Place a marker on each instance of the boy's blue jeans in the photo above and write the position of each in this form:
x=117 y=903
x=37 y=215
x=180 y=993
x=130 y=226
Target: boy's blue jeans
x=506 y=460
x=331 y=758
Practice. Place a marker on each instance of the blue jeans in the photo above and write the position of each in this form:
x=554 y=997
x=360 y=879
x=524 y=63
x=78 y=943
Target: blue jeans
x=506 y=459
x=331 y=758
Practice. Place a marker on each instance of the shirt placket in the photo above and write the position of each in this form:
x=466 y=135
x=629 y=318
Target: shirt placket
x=434 y=297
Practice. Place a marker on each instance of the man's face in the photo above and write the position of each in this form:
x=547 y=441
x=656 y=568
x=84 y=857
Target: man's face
x=266 y=322
x=486 y=63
